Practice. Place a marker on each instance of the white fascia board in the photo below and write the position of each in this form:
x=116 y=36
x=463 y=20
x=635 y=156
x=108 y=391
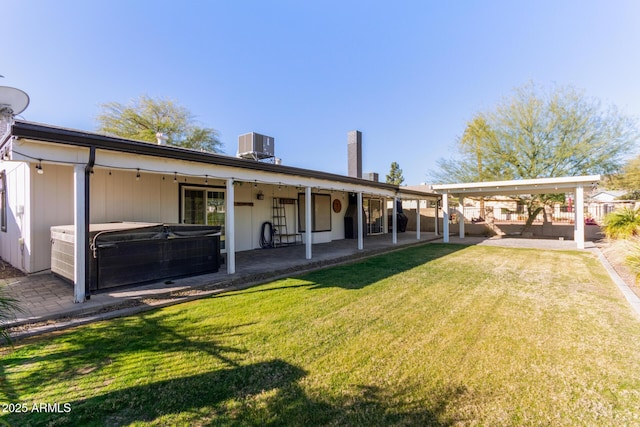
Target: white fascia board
x=111 y=159
x=25 y=150
x=524 y=186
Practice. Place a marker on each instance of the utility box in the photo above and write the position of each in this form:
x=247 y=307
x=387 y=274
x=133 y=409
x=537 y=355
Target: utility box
x=256 y=146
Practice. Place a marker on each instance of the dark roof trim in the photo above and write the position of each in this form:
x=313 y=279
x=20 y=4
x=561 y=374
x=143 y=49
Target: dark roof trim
x=47 y=133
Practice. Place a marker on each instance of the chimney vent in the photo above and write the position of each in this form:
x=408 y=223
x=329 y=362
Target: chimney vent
x=372 y=176
x=162 y=138
x=354 y=146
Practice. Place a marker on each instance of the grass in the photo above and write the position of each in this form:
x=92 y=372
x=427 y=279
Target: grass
x=432 y=335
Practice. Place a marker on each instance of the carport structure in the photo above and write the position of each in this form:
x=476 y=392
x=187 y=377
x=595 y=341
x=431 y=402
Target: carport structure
x=573 y=184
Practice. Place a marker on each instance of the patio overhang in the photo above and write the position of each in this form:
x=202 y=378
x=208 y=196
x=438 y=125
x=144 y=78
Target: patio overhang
x=570 y=184
x=89 y=153
x=516 y=187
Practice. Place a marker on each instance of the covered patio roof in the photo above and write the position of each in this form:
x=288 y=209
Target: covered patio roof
x=85 y=151
x=569 y=184
x=37 y=142
x=565 y=184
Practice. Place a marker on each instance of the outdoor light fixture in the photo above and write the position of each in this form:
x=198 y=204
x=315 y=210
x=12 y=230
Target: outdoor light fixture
x=260 y=195
x=206 y=179
x=138 y=175
x=39 y=167
x=175 y=177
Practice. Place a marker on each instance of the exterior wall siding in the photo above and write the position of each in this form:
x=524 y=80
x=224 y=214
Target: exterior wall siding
x=51 y=203
x=18 y=203
x=120 y=197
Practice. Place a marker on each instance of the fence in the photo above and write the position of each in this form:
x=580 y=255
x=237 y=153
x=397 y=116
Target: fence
x=557 y=214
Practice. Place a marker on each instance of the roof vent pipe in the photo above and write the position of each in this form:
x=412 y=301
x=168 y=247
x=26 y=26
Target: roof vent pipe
x=162 y=138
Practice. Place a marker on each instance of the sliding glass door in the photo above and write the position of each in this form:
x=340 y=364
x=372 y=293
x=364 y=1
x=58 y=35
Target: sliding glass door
x=203 y=205
x=374 y=216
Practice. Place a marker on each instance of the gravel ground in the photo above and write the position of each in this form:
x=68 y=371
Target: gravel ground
x=616 y=252
x=8 y=272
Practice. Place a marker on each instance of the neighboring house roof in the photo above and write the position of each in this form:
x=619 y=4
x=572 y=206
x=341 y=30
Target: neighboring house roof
x=608 y=195
x=52 y=134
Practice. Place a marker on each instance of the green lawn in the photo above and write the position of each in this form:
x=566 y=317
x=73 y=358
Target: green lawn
x=431 y=335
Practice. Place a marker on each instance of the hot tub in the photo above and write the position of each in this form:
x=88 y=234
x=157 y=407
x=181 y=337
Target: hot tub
x=128 y=253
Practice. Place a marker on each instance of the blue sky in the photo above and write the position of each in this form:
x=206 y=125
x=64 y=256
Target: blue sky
x=408 y=74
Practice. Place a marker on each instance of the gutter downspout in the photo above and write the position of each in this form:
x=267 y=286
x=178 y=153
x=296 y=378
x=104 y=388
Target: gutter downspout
x=88 y=170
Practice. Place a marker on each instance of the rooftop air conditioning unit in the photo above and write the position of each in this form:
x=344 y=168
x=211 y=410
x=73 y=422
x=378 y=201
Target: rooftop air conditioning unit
x=256 y=146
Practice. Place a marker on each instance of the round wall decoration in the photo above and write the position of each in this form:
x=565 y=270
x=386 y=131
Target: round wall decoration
x=337 y=205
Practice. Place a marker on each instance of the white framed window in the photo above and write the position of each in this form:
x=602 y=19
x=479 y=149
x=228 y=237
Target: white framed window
x=320 y=212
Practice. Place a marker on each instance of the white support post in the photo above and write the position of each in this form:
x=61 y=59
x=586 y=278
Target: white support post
x=394 y=222
x=385 y=217
x=461 y=217
x=360 y=222
x=230 y=221
x=445 y=218
x=79 y=237
x=437 y=215
x=579 y=226
x=418 y=219
x=307 y=222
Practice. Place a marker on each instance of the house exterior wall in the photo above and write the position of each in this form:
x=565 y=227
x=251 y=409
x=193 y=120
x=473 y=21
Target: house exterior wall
x=47 y=200
x=116 y=195
x=15 y=244
x=120 y=197
x=34 y=203
x=51 y=204
x=261 y=211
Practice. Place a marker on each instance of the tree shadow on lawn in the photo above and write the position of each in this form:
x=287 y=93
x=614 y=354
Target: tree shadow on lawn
x=371 y=270
x=228 y=397
x=89 y=349
x=362 y=273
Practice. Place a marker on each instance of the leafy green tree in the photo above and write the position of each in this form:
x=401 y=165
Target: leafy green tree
x=145 y=117
x=628 y=179
x=477 y=135
x=395 y=175
x=538 y=133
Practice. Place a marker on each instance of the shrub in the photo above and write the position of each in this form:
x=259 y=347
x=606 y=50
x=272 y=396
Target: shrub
x=633 y=259
x=622 y=224
x=8 y=306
